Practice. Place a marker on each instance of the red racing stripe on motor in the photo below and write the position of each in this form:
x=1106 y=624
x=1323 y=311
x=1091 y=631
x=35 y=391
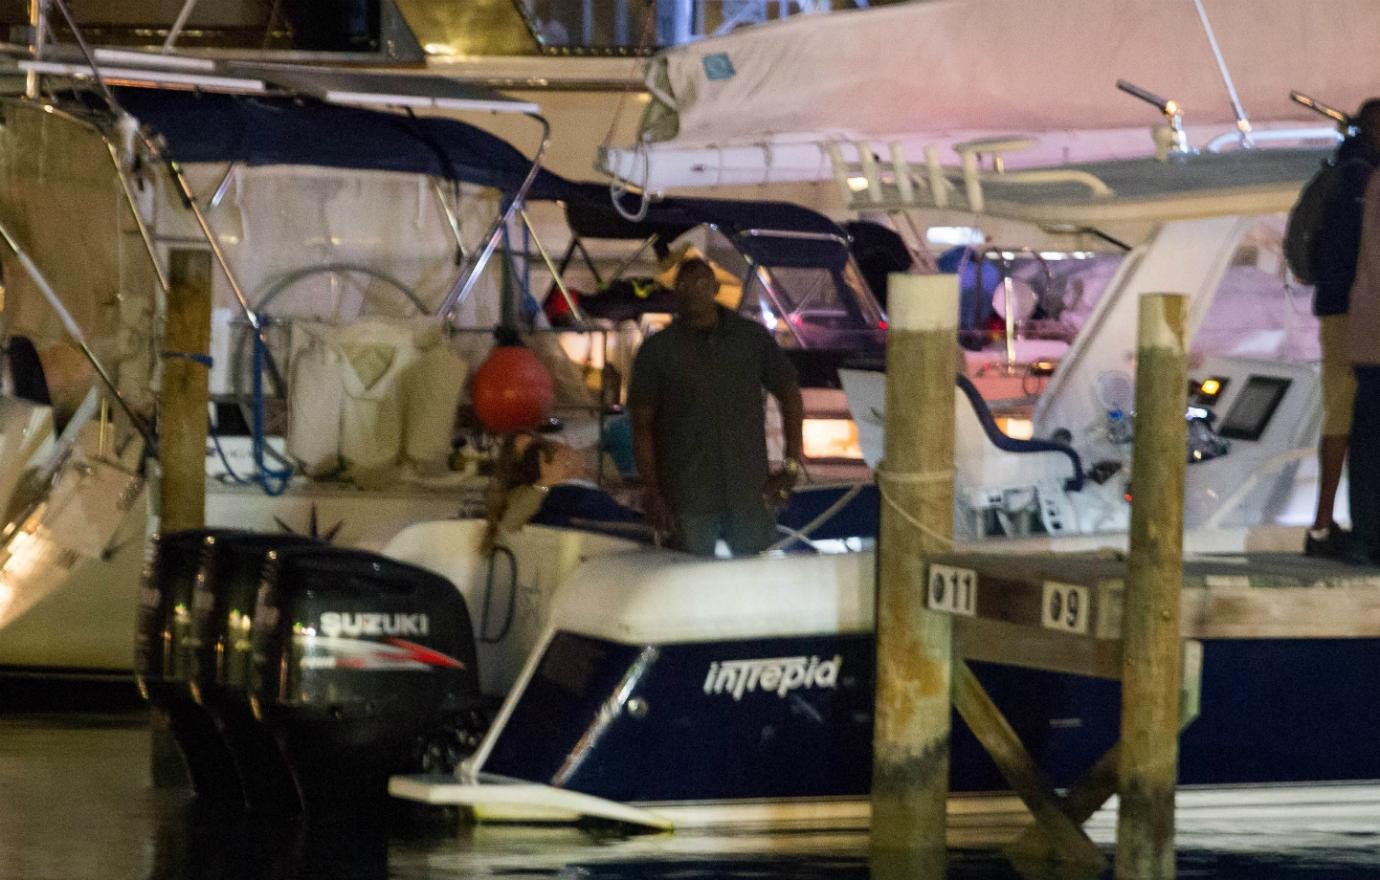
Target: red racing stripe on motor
x=423 y=654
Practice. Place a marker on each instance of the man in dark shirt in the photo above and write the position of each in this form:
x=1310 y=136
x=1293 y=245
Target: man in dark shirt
x=698 y=423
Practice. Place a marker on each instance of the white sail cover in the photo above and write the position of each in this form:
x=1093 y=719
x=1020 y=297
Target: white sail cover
x=941 y=71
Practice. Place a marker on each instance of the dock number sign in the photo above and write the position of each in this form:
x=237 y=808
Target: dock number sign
x=952 y=590
x=1066 y=608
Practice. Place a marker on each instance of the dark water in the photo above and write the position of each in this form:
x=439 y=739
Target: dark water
x=76 y=802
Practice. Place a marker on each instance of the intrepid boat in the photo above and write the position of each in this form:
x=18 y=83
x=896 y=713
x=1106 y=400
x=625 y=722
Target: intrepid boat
x=653 y=688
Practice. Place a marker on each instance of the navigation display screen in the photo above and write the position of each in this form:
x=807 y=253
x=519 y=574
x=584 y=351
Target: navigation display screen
x=1250 y=413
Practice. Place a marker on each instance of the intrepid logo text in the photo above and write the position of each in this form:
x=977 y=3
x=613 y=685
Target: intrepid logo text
x=780 y=675
x=370 y=623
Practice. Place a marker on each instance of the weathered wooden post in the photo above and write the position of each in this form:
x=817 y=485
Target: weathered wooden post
x=1149 y=756
x=182 y=403
x=181 y=462
x=910 y=765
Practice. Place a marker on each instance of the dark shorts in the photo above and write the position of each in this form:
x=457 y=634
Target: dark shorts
x=747 y=529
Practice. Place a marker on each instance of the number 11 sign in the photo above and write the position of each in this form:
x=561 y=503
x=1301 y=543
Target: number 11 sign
x=952 y=590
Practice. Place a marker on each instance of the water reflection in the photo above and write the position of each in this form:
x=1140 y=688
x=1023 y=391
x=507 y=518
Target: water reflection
x=76 y=803
x=198 y=842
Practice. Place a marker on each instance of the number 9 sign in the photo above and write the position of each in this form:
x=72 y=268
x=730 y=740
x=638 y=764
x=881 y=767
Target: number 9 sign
x=1066 y=607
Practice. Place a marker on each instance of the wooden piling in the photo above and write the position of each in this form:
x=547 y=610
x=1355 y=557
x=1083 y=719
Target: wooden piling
x=1151 y=671
x=910 y=765
x=186 y=387
x=182 y=423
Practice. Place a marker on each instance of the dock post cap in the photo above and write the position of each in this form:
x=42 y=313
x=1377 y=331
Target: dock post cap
x=1161 y=321
x=922 y=302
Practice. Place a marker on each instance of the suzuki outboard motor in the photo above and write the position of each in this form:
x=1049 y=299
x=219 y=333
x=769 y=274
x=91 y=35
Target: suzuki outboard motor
x=360 y=662
x=162 y=646
x=220 y=661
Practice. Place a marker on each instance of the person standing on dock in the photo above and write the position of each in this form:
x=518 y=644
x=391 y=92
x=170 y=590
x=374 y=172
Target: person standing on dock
x=1364 y=494
x=699 y=432
x=1338 y=244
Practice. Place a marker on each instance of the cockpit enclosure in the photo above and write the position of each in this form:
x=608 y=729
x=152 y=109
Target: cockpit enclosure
x=784 y=266
x=807 y=288
x=344 y=233
x=1253 y=400
x=1253 y=396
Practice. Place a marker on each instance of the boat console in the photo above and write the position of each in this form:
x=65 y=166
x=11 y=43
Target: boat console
x=1265 y=416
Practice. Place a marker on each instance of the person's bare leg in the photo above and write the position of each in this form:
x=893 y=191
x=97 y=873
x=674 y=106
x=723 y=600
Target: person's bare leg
x=1331 y=457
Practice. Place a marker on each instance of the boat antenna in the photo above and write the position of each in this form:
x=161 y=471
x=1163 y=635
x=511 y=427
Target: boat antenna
x=1243 y=124
x=1343 y=120
x=1173 y=113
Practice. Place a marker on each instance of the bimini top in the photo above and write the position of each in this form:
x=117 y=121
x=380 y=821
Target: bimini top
x=259 y=130
x=773 y=233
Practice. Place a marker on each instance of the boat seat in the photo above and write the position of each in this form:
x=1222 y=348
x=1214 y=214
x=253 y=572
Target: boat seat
x=1006 y=443
x=984 y=456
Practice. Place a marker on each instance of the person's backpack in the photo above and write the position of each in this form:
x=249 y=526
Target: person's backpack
x=1305 y=222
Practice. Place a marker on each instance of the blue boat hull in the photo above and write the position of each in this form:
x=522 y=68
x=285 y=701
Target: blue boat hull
x=788 y=718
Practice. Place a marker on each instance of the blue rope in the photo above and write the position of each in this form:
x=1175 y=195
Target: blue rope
x=203 y=359
x=273 y=482
x=230 y=476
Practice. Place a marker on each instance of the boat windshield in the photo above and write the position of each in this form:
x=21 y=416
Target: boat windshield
x=1259 y=310
x=815 y=306
x=812 y=304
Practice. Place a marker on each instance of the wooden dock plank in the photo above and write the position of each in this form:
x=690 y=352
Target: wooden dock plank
x=1257 y=595
x=999 y=641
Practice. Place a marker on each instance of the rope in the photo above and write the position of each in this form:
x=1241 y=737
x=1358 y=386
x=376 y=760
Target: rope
x=273 y=482
x=229 y=476
x=913 y=478
x=618 y=188
x=203 y=359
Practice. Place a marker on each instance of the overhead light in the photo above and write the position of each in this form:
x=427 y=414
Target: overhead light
x=857 y=184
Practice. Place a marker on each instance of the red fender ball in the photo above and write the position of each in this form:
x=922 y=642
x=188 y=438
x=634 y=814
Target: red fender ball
x=512 y=390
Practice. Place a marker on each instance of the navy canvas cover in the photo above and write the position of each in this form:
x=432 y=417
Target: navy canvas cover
x=257 y=130
x=592 y=215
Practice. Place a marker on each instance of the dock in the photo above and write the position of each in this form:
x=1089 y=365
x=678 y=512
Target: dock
x=1064 y=613
x=1138 y=618
x=1252 y=595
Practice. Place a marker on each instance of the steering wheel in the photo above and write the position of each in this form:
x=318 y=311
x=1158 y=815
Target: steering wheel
x=241 y=364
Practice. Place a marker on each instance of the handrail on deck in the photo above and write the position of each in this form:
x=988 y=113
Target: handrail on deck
x=940 y=182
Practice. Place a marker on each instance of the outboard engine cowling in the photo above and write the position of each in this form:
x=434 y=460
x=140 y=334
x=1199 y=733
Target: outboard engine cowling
x=360 y=660
x=163 y=644
x=221 y=661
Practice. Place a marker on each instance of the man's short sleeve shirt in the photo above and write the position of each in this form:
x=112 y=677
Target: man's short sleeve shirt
x=706 y=389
